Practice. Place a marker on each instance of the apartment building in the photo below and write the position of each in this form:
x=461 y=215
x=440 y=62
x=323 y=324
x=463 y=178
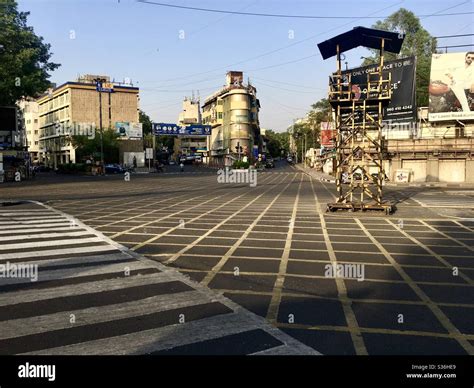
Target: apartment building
x=73 y=108
x=30 y=117
x=190 y=145
x=232 y=113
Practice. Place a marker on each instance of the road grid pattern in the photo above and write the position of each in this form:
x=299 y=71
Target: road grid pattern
x=267 y=249
x=92 y=296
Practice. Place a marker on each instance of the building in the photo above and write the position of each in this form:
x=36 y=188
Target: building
x=232 y=113
x=14 y=157
x=191 y=145
x=30 y=115
x=431 y=151
x=12 y=134
x=73 y=109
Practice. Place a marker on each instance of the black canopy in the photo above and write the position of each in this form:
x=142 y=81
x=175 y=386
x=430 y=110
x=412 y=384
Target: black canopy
x=361 y=36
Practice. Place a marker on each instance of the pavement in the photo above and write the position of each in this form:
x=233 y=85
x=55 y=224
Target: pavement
x=339 y=283
x=323 y=177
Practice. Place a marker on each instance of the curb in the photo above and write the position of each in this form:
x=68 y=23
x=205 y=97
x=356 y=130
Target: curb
x=321 y=179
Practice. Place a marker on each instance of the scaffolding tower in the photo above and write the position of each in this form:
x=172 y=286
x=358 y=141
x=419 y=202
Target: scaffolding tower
x=358 y=113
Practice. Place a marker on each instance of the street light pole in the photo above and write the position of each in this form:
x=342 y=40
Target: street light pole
x=99 y=87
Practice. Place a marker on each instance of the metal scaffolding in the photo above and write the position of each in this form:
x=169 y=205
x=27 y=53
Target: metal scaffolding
x=358 y=121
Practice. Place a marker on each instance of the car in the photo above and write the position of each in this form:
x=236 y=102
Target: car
x=289 y=159
x=172 y=163
x=269 y=163
x=113 y=169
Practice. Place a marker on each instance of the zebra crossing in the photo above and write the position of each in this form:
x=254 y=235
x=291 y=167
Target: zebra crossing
x=90 y=295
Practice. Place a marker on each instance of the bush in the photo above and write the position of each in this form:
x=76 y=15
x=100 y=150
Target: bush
x=238 y=164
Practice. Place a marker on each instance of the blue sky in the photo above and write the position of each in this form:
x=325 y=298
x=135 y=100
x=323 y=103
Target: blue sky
x=125 y=38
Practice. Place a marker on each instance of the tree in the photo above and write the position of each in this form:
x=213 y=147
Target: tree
x=277 y=142
x=161 y=141
x=87 y=147
x=24 y=57
x=417 y=42
x=146 y=122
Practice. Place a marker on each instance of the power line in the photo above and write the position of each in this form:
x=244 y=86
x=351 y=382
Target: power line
x=460 y=45
x=288 y=83
x=452 y=36
x=283 y=15
x=284 y=47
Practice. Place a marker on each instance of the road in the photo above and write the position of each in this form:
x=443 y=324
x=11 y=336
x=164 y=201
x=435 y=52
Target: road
x=399 y=284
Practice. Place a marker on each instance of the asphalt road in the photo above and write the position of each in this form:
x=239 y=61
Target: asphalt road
x=341 y=283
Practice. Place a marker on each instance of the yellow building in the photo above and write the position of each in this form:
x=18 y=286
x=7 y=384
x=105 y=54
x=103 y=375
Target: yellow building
x=233 y=114
x=73 y=109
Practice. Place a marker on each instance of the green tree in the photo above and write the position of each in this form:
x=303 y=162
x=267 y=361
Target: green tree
x=417 y=42
x=146 y=122
x=277 y=142
x=24 y=57
x=87 y=147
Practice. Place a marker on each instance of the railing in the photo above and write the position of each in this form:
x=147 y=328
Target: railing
x=342 y=89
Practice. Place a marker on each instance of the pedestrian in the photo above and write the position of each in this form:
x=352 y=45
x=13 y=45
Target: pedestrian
x=134 y=162
x=182 y=167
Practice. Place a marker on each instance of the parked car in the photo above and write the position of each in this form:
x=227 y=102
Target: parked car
x=289 y=159
x=114 y=169
x=269 y=163
x=172 y=163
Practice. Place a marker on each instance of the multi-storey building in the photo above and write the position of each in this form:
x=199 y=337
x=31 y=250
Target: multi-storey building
x=30 y=116
x=190 y=145
x=73 y=108
x=233 y=114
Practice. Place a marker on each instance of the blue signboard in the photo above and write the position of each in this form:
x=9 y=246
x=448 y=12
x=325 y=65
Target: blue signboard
x=104 y=87
x=197 y=129
x=177 y=130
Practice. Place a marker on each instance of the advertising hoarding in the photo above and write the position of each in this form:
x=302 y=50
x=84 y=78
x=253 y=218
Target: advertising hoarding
x=452 y=87
x=328 y=134
x=129 y=130
x=177 y=130
x=402 y=106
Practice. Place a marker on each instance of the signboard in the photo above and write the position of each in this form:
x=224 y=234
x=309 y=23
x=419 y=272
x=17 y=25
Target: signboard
x=328 y=134
x=177 y=130
x=149 y=153
x=402 y=175
x=129 y=130
x=452 y=87
x=196 y=129
x=105 y=87
x=402 y=106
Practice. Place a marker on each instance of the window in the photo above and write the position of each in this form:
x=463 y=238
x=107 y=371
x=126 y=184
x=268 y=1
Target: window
x=219 y=115
x=36 y=132
x=36 y=120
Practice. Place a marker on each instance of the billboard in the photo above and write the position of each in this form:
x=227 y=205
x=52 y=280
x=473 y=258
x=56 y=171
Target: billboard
x=129 y=130
x=402 y=106
x=328 y=134
x=452 y=87
x=176 y=130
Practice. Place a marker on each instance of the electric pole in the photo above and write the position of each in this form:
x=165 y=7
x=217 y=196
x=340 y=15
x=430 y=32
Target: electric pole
x=99 y=82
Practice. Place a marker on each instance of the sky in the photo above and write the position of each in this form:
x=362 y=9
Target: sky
x=169 y=53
